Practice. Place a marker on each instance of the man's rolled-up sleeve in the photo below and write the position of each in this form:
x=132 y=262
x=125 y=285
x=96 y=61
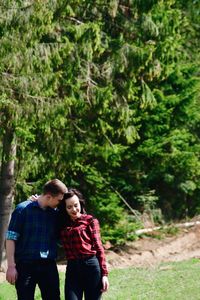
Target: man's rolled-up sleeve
x=15 y=225
x=12 y=235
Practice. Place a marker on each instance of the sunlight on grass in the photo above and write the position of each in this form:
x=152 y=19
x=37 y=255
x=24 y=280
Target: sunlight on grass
x=171 y=281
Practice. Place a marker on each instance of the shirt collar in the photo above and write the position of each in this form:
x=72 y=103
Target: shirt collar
x=36 y=204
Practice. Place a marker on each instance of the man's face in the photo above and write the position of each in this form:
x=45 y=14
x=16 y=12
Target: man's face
x=53 y=201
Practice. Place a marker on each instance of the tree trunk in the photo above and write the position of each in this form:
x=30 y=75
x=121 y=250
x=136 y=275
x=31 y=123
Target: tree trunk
x=6 y=185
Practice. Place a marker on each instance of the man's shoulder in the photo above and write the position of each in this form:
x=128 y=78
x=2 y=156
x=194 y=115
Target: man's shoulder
x=25 y=204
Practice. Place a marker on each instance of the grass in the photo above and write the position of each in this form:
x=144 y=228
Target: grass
x=7 y=291
x=172 y=281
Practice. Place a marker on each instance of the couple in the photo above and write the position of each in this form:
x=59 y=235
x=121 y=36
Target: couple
x=31 y=244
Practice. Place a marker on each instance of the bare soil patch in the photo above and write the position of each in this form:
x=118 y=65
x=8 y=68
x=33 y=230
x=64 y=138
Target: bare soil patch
x=2 y=277
x=148 y=251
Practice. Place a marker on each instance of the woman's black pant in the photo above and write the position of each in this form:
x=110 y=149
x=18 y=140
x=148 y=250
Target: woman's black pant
x=41 y=272
x=83 y=276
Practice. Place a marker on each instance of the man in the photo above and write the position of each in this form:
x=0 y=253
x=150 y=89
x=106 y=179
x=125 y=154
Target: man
x=31 y=244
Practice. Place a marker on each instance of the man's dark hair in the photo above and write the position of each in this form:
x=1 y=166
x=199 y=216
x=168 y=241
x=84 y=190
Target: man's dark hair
x=54 y=187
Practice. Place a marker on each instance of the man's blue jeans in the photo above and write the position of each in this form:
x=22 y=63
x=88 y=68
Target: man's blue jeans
x=83 y=276
x=42 y=272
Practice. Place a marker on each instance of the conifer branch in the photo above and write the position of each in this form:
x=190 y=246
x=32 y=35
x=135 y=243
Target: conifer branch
x=15 y=7
x=78 y=128
x=75 y=20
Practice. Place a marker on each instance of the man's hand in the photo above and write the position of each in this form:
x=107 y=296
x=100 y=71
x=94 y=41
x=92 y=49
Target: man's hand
x=11 y=274
x=105 y=284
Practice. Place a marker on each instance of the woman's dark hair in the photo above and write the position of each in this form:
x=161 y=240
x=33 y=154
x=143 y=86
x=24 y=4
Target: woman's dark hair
x=71 y=192
x=64 y=218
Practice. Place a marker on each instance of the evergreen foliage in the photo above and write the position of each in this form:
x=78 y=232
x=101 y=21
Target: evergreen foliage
x=104 y=95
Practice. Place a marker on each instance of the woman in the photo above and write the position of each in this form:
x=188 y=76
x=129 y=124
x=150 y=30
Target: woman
x=86 y=270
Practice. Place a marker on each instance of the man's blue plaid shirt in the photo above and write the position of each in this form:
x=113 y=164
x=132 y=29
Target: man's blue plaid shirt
x=34 y=230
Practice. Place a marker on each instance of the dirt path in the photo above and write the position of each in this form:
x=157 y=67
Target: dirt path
x=148 y=251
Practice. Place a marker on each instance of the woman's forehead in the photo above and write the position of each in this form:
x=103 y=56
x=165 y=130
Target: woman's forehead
x=72 y=199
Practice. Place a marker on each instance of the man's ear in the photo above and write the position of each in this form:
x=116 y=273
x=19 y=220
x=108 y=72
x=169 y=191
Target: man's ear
x=48 y=196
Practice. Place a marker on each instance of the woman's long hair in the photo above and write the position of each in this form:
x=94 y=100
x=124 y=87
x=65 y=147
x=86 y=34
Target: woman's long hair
x=64 y=219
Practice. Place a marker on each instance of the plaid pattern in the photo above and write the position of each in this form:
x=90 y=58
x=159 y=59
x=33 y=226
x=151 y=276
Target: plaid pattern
x=11 y=235
x=82 y=239
x=34 y=230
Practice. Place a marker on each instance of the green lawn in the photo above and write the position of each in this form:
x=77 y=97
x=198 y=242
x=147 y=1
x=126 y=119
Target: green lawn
x=173 y=281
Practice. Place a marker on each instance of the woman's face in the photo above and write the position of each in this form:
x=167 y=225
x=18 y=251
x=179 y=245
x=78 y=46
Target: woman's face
x=73 y=207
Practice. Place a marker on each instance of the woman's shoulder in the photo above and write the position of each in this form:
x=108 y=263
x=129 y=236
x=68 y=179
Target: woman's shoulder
x=87 y=217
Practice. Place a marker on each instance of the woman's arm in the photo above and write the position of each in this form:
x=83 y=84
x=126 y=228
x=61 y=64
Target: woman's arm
x=97 y=245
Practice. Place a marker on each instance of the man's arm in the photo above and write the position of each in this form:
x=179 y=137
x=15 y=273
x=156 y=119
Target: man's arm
x=11 y=274
x=12 y=235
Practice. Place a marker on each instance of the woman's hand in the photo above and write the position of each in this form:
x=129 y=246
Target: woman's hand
x=105 y=284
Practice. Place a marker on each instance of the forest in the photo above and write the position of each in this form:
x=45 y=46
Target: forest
x=105 y=96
